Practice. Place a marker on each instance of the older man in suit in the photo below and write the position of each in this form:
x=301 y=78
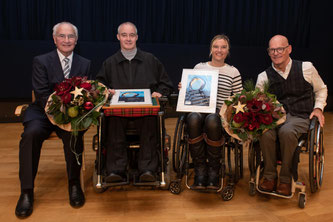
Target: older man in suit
x=48 y=70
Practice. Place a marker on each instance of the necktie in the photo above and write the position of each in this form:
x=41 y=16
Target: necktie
x=66 y=68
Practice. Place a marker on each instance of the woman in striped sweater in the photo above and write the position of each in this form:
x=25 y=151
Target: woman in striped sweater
x=205 y=131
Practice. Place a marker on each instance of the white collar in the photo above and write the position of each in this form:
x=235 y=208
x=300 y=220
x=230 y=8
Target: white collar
x=61 y=56
x=288 y=67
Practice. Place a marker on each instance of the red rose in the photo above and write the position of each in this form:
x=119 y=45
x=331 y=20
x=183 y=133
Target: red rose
x=254 y=105
x=238 y=118
x=76 y=80
x=86 y=85
x=88 y=105
x=66 y=98
x=252 y=121
x=254 y=125
x=266 y=119
x=62 y=88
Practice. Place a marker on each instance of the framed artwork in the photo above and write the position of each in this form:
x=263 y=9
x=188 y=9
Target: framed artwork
x=131 y=97
x=198 y=92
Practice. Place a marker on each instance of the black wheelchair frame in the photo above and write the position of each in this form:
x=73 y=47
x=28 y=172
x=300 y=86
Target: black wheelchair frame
x=311 y=143
x=182 y=164
x=163 y=177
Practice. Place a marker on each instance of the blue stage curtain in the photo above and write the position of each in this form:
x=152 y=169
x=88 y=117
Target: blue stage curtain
x=246 y=22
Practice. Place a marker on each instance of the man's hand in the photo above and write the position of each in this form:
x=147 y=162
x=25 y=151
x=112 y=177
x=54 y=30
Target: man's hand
x=156 y=94
x=319 y=114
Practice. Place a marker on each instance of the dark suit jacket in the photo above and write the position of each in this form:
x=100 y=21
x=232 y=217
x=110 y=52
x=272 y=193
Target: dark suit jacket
x=46 y=72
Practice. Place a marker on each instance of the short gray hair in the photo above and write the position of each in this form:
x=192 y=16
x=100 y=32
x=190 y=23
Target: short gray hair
x=56 y=26
x=127 y=23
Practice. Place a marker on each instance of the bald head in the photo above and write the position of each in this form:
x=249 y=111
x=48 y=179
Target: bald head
x=278 y=39
x=279 y=51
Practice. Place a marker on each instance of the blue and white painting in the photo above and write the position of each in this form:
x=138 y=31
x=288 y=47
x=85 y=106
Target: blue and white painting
x=198 y=90
x=132 y=96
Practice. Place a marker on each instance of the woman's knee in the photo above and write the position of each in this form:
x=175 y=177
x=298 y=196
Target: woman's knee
x=194 y=124
x=213 y=126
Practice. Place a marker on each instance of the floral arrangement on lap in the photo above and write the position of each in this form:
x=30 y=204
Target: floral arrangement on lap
x=75 y=104
x=247 y=115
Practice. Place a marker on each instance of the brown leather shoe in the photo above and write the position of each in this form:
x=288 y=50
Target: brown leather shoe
x=284 y=189
x=267 y=185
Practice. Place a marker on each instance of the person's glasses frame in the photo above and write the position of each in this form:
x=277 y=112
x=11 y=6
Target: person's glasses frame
x=279 y=50
x=63 y=36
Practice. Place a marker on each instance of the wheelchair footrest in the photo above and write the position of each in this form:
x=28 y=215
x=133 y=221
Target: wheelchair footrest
x=155 y=183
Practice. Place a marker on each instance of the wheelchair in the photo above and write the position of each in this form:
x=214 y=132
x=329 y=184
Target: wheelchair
x=310 y=143
x=182 y=165
x=133 y=146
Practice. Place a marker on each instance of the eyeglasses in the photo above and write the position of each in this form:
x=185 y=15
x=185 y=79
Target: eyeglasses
x=63 y=36
x=131 y=35
x=279 y=50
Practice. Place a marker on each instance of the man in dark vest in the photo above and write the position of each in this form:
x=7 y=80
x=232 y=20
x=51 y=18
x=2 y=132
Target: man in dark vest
x=303 y=94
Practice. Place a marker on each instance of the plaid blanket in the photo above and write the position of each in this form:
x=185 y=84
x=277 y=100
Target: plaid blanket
x=133 y=111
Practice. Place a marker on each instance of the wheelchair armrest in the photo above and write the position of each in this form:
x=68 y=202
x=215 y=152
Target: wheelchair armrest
x=173 y=98
x=313 y=123
x=19 y=109
x=163 y=99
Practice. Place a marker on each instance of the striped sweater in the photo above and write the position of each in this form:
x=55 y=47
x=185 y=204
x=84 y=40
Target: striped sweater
x=229 y=81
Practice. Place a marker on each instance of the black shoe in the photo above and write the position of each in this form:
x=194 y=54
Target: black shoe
x=147 y=176
x=24 y=205
x=115 y=177
x=76 y=196
x=199 y=182
x=213 y=183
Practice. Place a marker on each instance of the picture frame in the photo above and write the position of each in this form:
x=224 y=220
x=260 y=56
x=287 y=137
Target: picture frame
x=199 y=91
x=130 y=97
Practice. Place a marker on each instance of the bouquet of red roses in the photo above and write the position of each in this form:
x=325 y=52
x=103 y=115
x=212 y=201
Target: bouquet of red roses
x=75 y=104
x=250 y=113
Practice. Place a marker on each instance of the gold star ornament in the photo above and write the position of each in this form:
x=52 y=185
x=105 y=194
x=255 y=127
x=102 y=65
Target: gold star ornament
x=239 y=107
x=77 y=92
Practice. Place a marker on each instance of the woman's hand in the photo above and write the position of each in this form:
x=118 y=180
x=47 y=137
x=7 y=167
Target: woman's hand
x=179 y=86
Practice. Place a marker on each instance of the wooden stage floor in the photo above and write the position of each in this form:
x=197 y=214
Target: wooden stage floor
x=137 y=204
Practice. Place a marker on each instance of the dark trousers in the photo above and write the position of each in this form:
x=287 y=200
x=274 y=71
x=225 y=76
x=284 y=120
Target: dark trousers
x=35 y=132
x=116 y=143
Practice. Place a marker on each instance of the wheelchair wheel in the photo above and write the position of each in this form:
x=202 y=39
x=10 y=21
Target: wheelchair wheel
x=179 y=145
x=175 y=187
x=227 y=193
x=316 y=158
x=252 y=188
x=301 y=200
x=96 y=189
x=238 y=158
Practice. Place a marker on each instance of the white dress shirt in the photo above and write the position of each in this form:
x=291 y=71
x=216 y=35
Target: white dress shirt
x=62 y=62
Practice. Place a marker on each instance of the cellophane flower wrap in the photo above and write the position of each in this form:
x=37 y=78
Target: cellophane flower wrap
x=247 y=115
x=75 y=103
